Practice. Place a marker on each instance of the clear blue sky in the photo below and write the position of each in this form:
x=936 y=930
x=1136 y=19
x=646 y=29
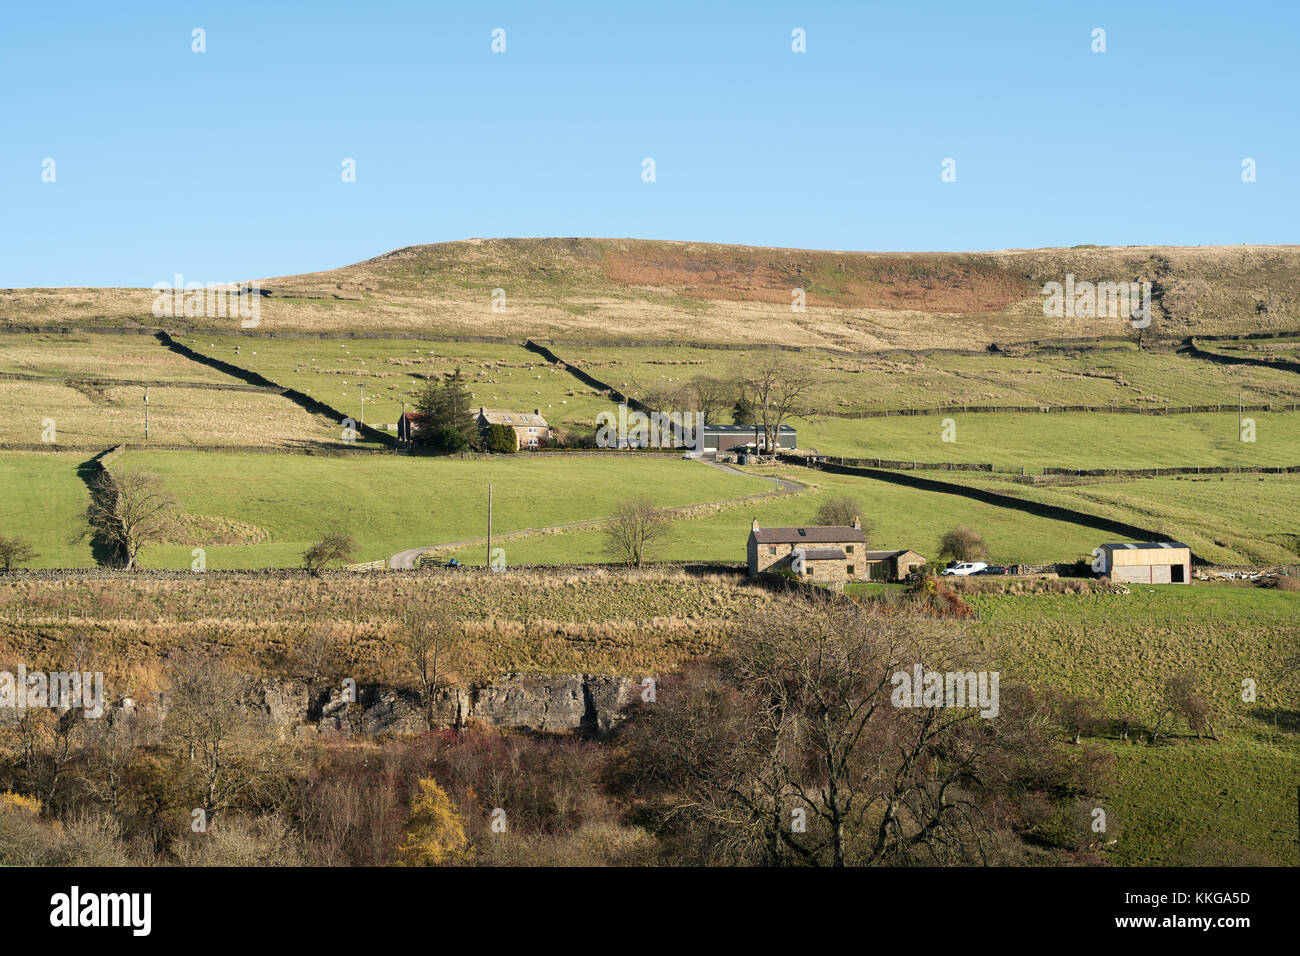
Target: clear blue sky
x=226 y=165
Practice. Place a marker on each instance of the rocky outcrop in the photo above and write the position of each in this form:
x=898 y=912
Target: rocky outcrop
x=552 y=703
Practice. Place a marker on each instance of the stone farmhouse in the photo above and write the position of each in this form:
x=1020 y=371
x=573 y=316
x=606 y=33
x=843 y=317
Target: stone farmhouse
x=531 y=431
x=829 y=555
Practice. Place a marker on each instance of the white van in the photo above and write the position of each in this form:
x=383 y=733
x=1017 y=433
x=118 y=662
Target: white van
x=966 y=567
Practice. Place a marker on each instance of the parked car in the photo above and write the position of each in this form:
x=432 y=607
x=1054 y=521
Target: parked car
x=966 y=567
x=993 y=569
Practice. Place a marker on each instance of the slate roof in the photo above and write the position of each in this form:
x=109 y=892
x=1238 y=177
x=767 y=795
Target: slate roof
x=1143 y=545
x=830 y=534
x=496 y=416
x=824 y=554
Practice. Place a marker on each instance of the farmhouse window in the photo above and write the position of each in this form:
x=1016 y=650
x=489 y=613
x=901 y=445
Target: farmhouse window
x=849 y=549
x=850 y=569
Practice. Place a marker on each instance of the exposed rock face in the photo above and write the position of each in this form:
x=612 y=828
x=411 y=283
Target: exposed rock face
x=545 y=702
x=553 y=703
x=540 y=702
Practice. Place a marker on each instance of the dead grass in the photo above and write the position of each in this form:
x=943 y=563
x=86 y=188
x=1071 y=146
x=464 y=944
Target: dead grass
x=692 y=292
x=103 y=416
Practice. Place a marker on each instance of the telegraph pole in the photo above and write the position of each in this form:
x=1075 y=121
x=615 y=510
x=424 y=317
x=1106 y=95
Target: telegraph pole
x=146 y=413
x=362 y=420
x=489 y=554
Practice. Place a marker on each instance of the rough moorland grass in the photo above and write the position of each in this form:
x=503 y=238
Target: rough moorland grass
x=595 y=288
x=1012 y=441
x=903 y=518
x=132 y=357
x=1227 y=519
x=390 y=503
x=394 y=371
x=558 y=622
x=43 y=498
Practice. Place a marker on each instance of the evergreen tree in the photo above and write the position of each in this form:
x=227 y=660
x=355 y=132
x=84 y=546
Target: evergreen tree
x=446 y=405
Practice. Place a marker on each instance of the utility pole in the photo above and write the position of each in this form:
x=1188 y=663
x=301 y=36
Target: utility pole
x=489 y=553
x=362 y=420
x=1238 y=414
x=146 y=413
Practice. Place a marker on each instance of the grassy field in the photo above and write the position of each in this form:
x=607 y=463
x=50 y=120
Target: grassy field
x=1114 y=375
x=139 y=358
x=391 y=503
x=902 y=518
x=103 y=416
x=1010 y=441
x=394 y=371
x=1226 y=802
x=43 y=498
x=1226 y=519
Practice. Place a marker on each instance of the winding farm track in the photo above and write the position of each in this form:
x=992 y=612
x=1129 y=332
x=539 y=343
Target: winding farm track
x=409 y=559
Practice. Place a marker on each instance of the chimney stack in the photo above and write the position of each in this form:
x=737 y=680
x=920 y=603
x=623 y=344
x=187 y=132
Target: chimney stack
x=857 y=523
x=754 y=526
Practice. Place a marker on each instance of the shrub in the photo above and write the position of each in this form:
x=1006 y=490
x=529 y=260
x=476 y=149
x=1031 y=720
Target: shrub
x=963 y=544
x=333 y=547
x=446 y=440
x=502 y=439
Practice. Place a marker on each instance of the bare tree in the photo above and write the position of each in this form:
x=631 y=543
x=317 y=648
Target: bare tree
x=795 y=748
x=14 y=550
x=318 y=654
x=129 y=510
x=1182 y=696
x=777 y=391
x=226 y=754
x=109 y=748
x=43 y=740
x=662 y=397
x=335 y=546
x=637 y=527
x=427 y=630
x=842 y=511
x=711 y=397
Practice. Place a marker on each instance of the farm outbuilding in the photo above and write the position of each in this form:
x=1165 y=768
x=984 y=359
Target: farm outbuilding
x=718 y=440
x=891 y=565
x=1147 y=562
